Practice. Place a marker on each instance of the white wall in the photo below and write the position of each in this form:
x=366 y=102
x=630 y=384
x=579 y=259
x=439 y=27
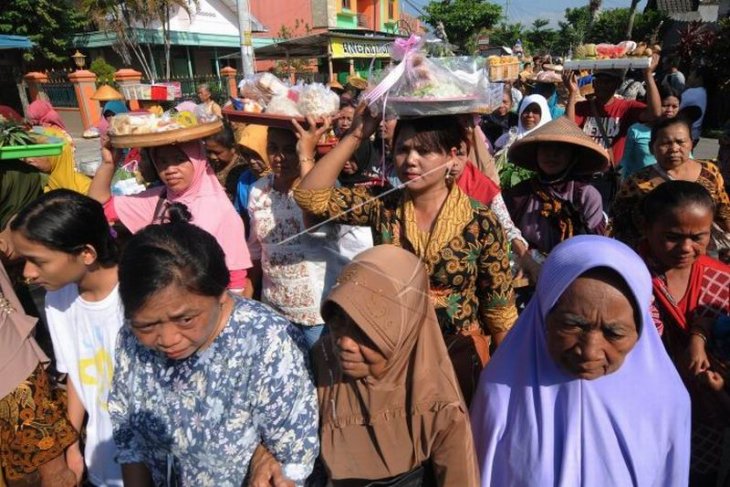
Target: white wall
x=213 y=17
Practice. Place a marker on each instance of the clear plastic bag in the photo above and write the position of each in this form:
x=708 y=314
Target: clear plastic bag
x=317 y=100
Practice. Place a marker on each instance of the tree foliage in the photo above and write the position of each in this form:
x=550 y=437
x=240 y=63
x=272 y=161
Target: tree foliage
x=462 y=19
x=103 y=70
x=50 y=24
x=124 y=17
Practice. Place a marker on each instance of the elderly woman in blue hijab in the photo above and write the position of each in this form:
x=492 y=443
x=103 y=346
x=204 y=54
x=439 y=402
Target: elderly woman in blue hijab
x=595 y=400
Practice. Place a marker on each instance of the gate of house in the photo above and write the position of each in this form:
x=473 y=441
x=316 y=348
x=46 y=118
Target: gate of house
x=60 y=90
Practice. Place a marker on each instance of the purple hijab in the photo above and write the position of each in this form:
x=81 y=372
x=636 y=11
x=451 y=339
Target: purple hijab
x=534 y=425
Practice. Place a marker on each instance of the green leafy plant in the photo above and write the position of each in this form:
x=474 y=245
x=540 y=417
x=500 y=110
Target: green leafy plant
x=103 y=70
x=14 y=133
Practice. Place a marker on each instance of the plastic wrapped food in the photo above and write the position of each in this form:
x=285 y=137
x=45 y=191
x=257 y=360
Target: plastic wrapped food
x=283 y=105
x=317 y=100
x=421 y=86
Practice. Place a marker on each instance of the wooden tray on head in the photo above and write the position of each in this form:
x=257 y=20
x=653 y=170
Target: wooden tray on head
x=267 y=119
x=176 y=136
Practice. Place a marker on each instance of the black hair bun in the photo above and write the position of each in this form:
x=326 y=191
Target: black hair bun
x=178 y=213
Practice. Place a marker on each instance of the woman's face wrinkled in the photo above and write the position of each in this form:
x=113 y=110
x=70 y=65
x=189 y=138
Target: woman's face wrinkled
x=592 y=327
x=676 y=238
x=176 y=322
x=356 y=353
x=219 y=156
x=506 y=105
x=672 y=146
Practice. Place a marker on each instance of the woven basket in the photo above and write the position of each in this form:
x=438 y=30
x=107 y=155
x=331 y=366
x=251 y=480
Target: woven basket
x=176 y=136
x=504 y=72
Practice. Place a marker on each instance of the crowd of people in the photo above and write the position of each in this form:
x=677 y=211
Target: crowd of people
x=536 y=296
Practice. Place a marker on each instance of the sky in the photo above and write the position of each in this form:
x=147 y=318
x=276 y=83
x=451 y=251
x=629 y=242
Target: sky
x=525 y=11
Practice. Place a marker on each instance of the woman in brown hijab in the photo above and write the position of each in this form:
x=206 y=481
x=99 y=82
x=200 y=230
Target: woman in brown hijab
x=34 y=430
x=391 y=410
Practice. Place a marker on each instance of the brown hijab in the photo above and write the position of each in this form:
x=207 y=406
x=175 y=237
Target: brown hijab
x=380 y=428
x=19 y=352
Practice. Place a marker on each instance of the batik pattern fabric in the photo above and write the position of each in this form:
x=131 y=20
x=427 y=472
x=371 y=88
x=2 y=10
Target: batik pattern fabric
x=626 y=211
x=34 y=428
x=465 y=254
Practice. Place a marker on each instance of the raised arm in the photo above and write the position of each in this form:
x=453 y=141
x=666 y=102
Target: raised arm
x=571 y=82
x=307 y=144
x=653 y=108
x=324 y=174
x=100 y=188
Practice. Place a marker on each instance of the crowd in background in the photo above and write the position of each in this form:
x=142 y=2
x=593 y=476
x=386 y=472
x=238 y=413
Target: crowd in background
x=535 y=296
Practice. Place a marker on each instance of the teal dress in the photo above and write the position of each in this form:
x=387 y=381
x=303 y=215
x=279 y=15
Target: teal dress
x=637 y=155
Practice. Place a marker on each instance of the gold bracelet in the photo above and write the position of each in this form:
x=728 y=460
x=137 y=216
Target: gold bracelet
x=306 y=160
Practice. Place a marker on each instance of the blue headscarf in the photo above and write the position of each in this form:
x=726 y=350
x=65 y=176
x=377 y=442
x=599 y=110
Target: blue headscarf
x=115 y=106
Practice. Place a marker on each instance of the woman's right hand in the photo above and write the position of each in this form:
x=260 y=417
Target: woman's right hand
x=109 y=155
x=364 y=123
x=697 y=356
x=570 y=80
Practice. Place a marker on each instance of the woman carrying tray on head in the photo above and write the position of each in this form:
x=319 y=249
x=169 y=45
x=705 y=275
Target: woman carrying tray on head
x=459 y=240
x=189 y=185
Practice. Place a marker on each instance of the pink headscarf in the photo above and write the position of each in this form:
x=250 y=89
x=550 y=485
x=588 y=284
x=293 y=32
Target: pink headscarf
x=40 y=112
x=207 y=202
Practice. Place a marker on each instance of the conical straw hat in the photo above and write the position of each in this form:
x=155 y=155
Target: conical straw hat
x=106 y=93
x=591 y=157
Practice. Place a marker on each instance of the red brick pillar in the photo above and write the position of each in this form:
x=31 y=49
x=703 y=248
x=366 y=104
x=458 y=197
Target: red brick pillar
x=84 y=86
x=126 y=77
x=35 y=82
x=229 y=74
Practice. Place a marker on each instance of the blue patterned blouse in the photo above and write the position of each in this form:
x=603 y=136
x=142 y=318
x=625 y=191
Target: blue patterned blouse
x=198 y=421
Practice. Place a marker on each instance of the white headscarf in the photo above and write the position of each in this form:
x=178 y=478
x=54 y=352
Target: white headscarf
x=506 y=140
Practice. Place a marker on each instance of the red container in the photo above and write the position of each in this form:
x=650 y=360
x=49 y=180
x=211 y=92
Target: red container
x=158 y=93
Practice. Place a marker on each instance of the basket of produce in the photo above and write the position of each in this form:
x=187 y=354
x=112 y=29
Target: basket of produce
x=16 y=142
x=420 y=86
x=266 y=100
x=624 y=55
x=503 y=68
x=129 y=130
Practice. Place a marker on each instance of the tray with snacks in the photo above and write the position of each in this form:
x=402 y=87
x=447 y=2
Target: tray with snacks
x=174 y=136
x=129 y=130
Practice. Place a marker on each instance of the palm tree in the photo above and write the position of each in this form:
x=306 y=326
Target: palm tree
x=594 y=7
x=632 y=16
x=124 y=17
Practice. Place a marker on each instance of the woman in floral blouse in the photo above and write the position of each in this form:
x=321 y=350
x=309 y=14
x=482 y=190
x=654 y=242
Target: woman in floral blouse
x=203 y=376
x=459 y=240
x=293 y=268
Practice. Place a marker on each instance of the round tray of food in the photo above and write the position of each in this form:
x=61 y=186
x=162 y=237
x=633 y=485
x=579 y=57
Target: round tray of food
x=146 y=136
x=418 y=106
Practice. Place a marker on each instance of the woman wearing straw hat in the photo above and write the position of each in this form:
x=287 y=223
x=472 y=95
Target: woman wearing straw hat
x=554 y=205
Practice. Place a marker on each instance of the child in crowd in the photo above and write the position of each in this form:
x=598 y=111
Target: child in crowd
x=69 y=251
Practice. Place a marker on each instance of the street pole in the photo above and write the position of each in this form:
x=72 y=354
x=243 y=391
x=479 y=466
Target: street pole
x=244 y=29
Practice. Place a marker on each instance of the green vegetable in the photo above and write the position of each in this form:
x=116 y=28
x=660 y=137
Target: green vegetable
x=13 y=133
